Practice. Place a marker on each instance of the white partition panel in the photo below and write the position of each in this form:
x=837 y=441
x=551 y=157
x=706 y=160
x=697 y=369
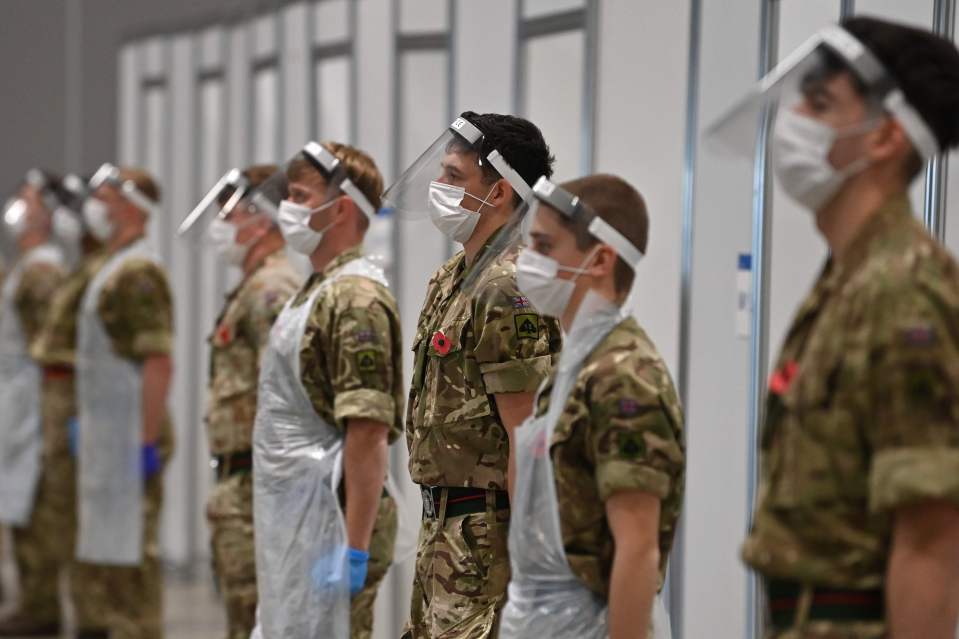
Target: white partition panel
x=239 y=109
x=714 y=585
x=485 y=50
x=331 y=21
x=153 y=152
x=539 y=8
x=181 y=509
x=423 y=16
x=553 y=96
x=333 y=117
x=127 y=106
x=266 y=115
x=295 y=119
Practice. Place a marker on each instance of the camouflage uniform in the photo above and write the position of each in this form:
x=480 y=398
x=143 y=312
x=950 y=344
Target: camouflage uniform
x=621 y=429
x=242 y=330
x=468 y=348
x=39 y=599
x=47 y=544
x=351 y=368
x=136 y=309
x=862 y=418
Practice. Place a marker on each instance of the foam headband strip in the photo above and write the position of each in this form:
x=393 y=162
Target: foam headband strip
x=515 y=179
x=913 y=124
x=601 y=230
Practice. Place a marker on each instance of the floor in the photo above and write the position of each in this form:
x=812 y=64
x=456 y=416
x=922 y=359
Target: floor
x=192 y=609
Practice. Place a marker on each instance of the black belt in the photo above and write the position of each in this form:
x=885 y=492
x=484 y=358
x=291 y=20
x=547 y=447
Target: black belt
x=459 y=501
x=233 y=463
x=828 y=604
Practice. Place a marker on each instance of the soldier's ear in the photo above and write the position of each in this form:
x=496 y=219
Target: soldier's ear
x=603 y=262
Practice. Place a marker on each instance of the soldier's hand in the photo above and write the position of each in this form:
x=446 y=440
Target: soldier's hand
x=359 y=560
x=151 y=461
x=73 y=435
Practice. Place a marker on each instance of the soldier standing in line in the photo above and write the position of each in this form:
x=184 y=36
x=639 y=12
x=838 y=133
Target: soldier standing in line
x=244 y=232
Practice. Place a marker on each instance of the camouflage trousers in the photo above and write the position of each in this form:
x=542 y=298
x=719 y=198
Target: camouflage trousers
x=229 y=512
x=382 y=544
x=130 y=598
x=462 y=570
x=45 y=546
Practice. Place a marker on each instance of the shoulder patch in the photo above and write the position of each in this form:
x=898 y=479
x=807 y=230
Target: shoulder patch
x=628 y=408
x=527 y=325
x=631 y=445
x=366 y=360
x=366 y=335
x=520 y=301
x=919 y=336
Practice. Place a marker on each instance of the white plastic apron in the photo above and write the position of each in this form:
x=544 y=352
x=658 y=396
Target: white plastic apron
x=20 y=411
x=110 y=410
x=297 y=465
x=545 y=598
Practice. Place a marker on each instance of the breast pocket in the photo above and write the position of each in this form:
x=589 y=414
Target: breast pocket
x=456 y=383
x=818 y=454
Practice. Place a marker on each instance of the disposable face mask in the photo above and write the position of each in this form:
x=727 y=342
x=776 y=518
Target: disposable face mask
x=66 y=227
x=536 y=277
x=294 y=220
x=96 y=215
x=801 y=147
x=223 y=236
x=15 y=217
x=448 y=214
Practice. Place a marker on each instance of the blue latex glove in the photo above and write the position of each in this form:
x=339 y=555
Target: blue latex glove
x=328 y=570
x=73 y=435
x=359 y=560
x=151 y=461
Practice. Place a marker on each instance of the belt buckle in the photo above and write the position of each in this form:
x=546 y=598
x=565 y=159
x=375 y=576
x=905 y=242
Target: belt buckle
x=429 y=506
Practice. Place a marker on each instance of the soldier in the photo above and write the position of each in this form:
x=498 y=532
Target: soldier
x=601 y=464
x=855 y=527
x=244 y=233
x=25 y=301
x=47 y=543
x=124 y=341
x=330 y=399
x=480 y=352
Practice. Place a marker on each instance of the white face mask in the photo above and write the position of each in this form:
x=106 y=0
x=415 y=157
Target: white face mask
x=536 y=277
x=67 y=228
x=96 y=215
x=15 y=217
x=294 y=220
x=448 y=214
x=222 y=235
x=801 y=147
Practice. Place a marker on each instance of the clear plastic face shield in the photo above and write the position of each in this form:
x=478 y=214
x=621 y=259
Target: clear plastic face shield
x=829 y=89
x=36 y=202
x=440 y=176
x=109 y=175
x=318 y=180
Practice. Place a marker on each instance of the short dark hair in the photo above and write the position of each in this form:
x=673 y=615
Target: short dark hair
x=518 y=140
x=619 y=204
x=924 y=65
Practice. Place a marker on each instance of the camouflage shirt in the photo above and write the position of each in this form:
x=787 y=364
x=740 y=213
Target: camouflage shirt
x=350 y=358
x=468 y=349
x=136 y=308
x=242 y=332
x=34 y=294
x=862 y=415
x=622 y=429
x=57 y=342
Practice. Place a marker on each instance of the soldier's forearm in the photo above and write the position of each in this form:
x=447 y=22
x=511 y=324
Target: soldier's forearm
x=364 y=468
x=922 y=581
x=157 y=374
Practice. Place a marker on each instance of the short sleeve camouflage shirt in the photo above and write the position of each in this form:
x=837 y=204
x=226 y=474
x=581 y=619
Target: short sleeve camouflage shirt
x=136 y=308
x=242 y=332
x=38 y=284
x=350 y=358
x=621 y=429
x=862 y=415
x=467 y=349
x=57 y=342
